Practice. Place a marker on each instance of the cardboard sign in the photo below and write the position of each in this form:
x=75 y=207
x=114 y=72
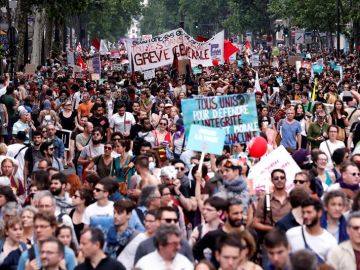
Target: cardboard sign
x=293 y=58
x=116 y=67
x=149 y=74
x=236 y=114
x=96 y=64
x=95 y=77
x=255 y=60
x=64 y=135
x=182 y=66
x=259 y=174
x=206 y=139
x=30 y=69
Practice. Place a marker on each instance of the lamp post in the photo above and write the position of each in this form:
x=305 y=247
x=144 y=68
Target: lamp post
x=338 y=27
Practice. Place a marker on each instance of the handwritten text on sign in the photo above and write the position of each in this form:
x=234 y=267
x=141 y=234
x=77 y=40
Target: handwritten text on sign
x=160 y=50
x=206 y=139
x=236 y=114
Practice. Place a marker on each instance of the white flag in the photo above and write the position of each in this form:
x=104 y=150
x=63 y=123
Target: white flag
x=103 y=47
x=257 y=82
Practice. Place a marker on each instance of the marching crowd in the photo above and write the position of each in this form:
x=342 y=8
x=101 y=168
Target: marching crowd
x=122 y=191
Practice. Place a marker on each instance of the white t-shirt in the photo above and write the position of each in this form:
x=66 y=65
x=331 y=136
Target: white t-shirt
x=122 y=123
x=99 y=216
x=154 y=261
x=321 y=244
x=332 y=146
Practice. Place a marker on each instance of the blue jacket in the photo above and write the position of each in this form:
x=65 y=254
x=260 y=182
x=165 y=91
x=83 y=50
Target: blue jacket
x=343 y=236
x=58 y=148
x=69 y=257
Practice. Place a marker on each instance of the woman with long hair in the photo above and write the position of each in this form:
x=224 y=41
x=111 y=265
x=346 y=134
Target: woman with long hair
x=178 y=139
x=82 y=198
x=304 y=123
x=123 y=166
x=339 y=118
x=6 y=195
x=248 y=250
x=103 y=165
x=27 y=220
x=162 y=138
x=73 y=184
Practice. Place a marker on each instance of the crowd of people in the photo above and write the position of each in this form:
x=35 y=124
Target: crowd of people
x=123 y=191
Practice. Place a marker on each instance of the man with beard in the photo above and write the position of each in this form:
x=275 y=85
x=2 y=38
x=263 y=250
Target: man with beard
x=311 y=235
x=57 y=188
x=59 y=148
x=93 y=149
x=234 y=223
x=272 y=207
x=47 y=150
x=99 y=119
x=32 y=154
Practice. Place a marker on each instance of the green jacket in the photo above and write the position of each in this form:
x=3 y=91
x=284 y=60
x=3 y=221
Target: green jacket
x=314 y=131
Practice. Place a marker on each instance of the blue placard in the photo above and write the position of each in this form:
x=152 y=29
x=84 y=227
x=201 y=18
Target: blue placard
x=236 y=114
x=206 y=139
x=317 y=68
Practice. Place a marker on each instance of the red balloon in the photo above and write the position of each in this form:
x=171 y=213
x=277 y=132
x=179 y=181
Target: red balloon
x=215 y=62
x=257 y=147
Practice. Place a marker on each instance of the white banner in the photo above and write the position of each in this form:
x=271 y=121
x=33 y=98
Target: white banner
x=259 y=176
x=160 y=50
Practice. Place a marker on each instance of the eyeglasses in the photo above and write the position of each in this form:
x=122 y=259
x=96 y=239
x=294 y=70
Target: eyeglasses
x=169 y=220
x=98 y=190
x=278 y=178
x=354 y=174
x=107 y=147
x=48 y=252
x=163 y=124
x=76 y=196
x=174 y=243
x=299 y=181
x=41 y=226
x=180 y=168
x=117 y=139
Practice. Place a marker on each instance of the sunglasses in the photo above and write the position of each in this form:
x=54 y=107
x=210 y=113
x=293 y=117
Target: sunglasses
x=117 y=139
x=299 y=181
x=107 y=147
x=163 y=124
x=98 y=190
x=355 y=174
x=277 y=178
x=180 y=168
x=169 y=220
x=355 y=228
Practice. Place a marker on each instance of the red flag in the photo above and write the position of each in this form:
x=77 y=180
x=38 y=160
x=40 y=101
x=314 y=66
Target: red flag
x=229 y=49
x=81 y=63
x=247 y=44
x=202 y=38
x=174 y=67
x=96 y=43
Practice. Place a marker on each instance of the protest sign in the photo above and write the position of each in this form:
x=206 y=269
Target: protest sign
x=160 y=50
x=182 y=66
x=206 y=139
x=95 y=77
x=114 y=53
x=116 y=67
x=197 y=70
x=64 y=135
x=30 y=68
x=70 y=58
x=292 y=59
x=298 y=66
x=259 y=178
x=96 y=64
x=299 y=36
x=149 y=74
x=275 y=51
x=317 y=68
x=236 y=114
x=255 y=60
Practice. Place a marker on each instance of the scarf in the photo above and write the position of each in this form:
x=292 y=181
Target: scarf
x=116 y=241
x=353 y=188
x=236 y=186
x=63 y=204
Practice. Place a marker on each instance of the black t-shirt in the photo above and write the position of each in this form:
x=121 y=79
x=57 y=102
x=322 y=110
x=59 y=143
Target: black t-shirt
x=102 y=122
x=105 y=264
